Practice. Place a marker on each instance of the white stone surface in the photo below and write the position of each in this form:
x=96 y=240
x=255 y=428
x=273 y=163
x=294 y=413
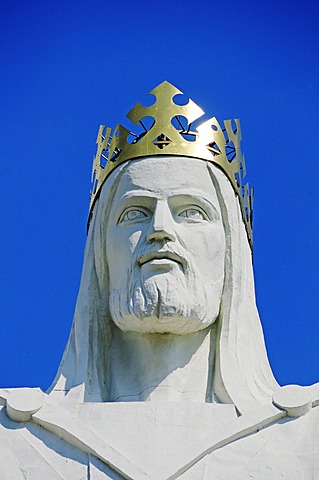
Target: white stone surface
x=165 y=374
x=22 y=403
x=166 y=249
x=294 y=399
x=29 y=452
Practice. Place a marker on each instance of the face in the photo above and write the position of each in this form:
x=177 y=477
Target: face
x=165 y=247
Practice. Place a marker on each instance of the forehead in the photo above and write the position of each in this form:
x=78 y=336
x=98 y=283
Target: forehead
x=167 y=176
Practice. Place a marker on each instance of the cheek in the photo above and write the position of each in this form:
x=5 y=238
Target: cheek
x=207 y=249
x=122 y=242
x=133 y=241
x=121 y=251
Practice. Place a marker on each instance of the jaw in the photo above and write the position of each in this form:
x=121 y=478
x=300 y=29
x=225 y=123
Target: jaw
x=176 y=325
x=160 y=315
x=163 y=299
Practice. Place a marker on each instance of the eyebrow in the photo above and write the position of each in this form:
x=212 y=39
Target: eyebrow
x=145 y=194
x=148 y=194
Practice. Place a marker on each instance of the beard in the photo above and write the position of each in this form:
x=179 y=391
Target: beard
x=165 y=301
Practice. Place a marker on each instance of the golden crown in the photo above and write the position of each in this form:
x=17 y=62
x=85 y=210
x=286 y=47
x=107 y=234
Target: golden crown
x=170 y=134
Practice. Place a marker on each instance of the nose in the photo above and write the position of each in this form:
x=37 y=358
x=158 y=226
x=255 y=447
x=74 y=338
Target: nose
x=162 y=225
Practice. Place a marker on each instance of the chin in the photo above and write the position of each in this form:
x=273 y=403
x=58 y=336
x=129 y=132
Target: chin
x=165 y=304
x=174 y=324
x=144 y=315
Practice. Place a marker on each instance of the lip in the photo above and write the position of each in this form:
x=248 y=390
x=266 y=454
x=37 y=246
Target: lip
x=148 y=257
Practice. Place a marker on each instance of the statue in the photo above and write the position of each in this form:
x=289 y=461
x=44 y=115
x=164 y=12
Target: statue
x=165 y=375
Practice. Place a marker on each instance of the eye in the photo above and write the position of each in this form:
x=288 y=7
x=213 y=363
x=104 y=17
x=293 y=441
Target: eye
x=132 y=215
x=192 y=214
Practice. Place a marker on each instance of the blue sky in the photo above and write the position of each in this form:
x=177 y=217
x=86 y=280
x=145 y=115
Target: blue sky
x=68 y=67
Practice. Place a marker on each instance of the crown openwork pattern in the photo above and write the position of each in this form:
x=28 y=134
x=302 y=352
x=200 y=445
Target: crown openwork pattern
x=170 y=133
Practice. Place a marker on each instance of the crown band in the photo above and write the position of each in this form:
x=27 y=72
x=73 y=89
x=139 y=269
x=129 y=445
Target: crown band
x=168 y=135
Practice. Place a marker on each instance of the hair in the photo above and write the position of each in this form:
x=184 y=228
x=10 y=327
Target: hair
x=241 y=375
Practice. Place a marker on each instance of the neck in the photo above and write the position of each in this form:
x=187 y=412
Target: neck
x=163 y=367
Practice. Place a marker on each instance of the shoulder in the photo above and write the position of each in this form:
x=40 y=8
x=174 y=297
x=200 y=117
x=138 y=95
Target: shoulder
x=32 y=452
x=288 y=448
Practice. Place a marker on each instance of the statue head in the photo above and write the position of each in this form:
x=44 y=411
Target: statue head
x=168 y=251
x=165 y=247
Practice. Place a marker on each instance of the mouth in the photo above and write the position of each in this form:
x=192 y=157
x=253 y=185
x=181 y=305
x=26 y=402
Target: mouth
x=161 y=258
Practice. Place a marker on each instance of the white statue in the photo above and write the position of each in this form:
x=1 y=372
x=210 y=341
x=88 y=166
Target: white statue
x=165 y=375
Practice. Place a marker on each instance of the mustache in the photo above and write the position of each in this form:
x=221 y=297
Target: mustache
x=171 y=252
